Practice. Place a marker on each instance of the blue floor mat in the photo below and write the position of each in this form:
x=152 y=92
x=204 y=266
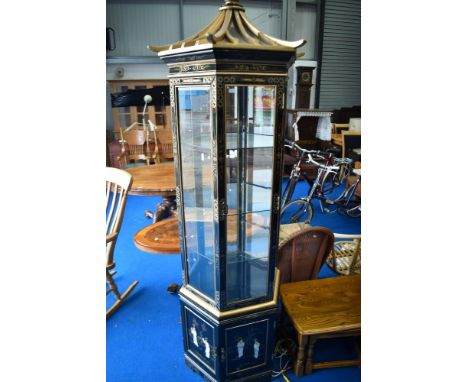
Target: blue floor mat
x=144 y=336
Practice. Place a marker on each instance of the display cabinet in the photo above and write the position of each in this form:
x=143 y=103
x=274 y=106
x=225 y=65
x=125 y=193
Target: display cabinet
x=228 y=89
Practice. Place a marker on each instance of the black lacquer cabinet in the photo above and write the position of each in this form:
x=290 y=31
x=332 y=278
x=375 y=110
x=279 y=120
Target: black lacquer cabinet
x=228 y=89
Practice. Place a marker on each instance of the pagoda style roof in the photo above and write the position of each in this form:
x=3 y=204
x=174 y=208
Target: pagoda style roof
x=229 y=30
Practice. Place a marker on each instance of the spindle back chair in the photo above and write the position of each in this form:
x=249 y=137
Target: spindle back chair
x=135 y=147
x=118 y=182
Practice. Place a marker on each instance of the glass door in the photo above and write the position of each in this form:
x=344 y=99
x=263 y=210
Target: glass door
x=197 y=186
x=250 y=126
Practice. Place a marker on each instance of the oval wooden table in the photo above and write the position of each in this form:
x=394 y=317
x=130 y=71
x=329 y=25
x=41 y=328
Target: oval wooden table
x=156 y=180
x=161 y=238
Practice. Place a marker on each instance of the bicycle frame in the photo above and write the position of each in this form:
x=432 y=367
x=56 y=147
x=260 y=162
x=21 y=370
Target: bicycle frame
x=338 y=167
x=316 y=191
x=296 y=173
x=347 y=194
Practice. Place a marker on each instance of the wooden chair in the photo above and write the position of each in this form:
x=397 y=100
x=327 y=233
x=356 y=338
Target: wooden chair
x=286 y=230
x=133 y=148
x=139 y=146
x=302 y=254
x=351 y=140
x=345 y=257
x=164 y=139
x=337 y=128
x=307 y=128
x=118 y=183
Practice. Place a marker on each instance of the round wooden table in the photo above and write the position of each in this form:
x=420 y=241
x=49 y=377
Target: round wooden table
x=156 y=180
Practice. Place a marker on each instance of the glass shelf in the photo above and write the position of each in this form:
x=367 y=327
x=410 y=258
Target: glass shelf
x=257 y=198
x=256 y=236
x=256 y=230
x=253 y=141
x=198 y=214
x=200 y=269
x=246 y=279
x=234 y=258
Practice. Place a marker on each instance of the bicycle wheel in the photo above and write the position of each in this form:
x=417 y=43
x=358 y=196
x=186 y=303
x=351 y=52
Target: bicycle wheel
x=297 y=211
x=330 y=183
x=334 y=180
x=355 y=211
x=351 y=209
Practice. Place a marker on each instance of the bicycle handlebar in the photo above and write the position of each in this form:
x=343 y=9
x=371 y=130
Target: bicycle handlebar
x=321 y=164
x=294 y=145
x=342 y=161
x=320 y=154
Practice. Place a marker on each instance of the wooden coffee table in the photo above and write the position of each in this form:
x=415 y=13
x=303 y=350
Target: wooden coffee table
x=322 y=308
x=156 y=180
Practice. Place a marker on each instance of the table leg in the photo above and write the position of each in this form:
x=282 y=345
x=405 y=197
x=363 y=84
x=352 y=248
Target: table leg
x=299 y=364
x=167 y=208
x=310 y=354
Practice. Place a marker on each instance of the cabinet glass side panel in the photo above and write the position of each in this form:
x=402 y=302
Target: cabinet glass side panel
x=250 y=126
x=197 y=185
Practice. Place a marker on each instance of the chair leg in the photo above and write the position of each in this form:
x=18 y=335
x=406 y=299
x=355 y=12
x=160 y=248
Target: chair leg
x=112 y=285
x=119 y=298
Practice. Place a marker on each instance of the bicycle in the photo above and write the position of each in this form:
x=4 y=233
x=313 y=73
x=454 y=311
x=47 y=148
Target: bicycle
x=329 y=184
x=301 y=210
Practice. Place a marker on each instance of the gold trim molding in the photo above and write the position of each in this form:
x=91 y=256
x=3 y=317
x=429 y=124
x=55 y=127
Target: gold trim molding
x=229 y=313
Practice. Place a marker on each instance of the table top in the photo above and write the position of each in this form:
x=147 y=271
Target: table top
x=159 y=238
x=322 y=306
x=163 y=237
x=156 y=179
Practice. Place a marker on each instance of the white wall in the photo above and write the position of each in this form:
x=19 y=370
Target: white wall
x=138 y=71
x=137 y=25
x=157 y=22
x=197 y=15
x=304 y=27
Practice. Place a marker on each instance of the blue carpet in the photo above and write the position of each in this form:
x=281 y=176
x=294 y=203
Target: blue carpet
x=144 y=337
